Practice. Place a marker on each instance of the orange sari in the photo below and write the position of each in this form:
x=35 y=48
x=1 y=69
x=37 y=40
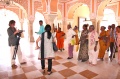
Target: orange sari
x=60 y=39
x=103 y=44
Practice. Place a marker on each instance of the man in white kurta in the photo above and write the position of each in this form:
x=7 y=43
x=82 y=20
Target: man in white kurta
x=70 y=35
x=93 y=47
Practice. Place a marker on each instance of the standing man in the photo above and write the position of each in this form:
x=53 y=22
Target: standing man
x=93 y=49
x=70 y=34
x=13 y=40
x=41 y=30
x=60 y=39
x=112 y=42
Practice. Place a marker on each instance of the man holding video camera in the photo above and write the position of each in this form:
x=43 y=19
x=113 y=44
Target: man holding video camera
x=13 y=40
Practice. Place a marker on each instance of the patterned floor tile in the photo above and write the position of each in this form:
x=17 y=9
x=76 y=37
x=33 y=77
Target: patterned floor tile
x=43 y=77
x=58 y=58
x=29 y=69
x=78 y=69
x=33 y=74
x=35 y=62
x=69 y=64
x=55 y=75
x=88 y=74
x=76 y=76
x=59 y=67
x=67 y=72
x=3 y=74
x=14 y=72
x=55 y=63
x=21 y=76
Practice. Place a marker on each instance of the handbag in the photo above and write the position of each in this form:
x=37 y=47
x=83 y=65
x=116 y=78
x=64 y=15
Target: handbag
x=73 y=41
x=55 y=48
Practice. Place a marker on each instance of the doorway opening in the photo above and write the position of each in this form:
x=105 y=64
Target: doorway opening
x=36 y=26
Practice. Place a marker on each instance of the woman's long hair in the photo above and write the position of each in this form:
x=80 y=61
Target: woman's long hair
x=48 y=29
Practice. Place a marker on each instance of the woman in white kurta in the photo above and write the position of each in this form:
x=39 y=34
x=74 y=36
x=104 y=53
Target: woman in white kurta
x=93 y=47
x=46 y=49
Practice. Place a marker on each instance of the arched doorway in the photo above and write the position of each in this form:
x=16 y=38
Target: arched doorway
x=79 y=15
x=79 y=11
x=36 y=26
x=108 y=18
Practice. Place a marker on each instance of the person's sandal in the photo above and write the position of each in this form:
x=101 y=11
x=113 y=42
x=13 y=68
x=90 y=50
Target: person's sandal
x=43 y=71
x=23 y=63
x=49 y=72
x=14 y=66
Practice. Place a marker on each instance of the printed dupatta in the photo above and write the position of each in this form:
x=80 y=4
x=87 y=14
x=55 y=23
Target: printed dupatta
x=92 y=38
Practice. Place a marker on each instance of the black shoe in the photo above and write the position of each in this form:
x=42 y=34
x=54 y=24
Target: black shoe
x=69 y=57
x=83 y=60
x=114 y=56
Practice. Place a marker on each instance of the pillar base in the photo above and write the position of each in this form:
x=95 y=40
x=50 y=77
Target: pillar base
x=32 y=39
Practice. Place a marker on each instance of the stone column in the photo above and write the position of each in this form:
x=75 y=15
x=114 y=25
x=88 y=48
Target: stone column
x=50 y=19
x=64 y=23
x=98 y=21
x=31 y=20
x=21 y=21
x=31 y=31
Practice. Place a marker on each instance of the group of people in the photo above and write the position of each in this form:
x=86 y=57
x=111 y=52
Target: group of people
x=88 y=43
x=92 y=45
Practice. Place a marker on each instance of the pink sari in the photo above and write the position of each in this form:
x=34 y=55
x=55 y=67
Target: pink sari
x=118 y=44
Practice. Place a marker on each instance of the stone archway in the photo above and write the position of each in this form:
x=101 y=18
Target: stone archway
x=38 y=16
x=109 y=18
x=78 y=10
x=22 y=8
x=102 y=6
x=100 y=12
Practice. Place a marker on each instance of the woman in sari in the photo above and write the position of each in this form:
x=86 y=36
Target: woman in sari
x=102 y=43
x=83 y=52
x=108 y=37
x=118 y=42
x=76 y=38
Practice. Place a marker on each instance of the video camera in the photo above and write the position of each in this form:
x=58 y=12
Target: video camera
x=19 y=34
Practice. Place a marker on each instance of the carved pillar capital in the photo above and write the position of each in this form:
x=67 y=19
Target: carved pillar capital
x=50 y=19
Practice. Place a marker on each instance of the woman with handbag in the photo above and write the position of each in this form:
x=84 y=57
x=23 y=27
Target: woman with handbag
x=46 y=49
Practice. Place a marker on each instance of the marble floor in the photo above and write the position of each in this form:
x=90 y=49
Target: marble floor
x=62 y=67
